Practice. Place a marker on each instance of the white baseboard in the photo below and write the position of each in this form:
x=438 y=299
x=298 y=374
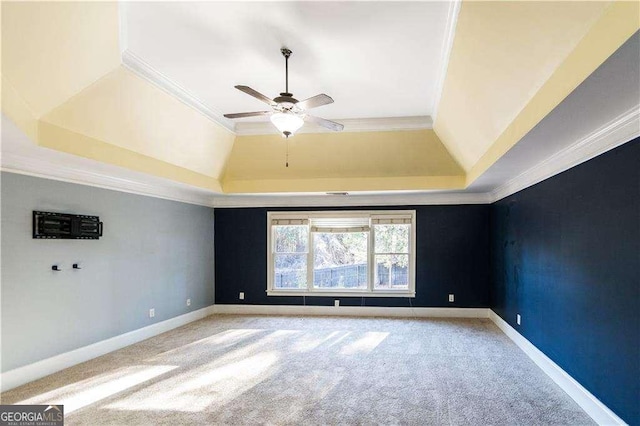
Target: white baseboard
x=28 y=373
x=599 y=412
x=351 y=311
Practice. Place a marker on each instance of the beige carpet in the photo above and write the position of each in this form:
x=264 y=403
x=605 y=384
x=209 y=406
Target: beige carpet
x=304 y=370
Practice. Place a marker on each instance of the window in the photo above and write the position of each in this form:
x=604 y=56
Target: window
x=360 y=253
x=391 y=253
x=290 y=252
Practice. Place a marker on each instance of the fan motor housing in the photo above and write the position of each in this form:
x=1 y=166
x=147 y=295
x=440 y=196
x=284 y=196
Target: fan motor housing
x=285 y=97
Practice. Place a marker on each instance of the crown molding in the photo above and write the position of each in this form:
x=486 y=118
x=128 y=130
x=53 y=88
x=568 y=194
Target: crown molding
x=145 y=71
x=48 y=164
x=382 y=124
x=85 y=173
x=447 y=46
x=59 y=169
x=402 y=199
x=123 y=25
x=613 y=134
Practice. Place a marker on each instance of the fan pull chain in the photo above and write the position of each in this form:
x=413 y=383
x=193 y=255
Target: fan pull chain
x=287 y=160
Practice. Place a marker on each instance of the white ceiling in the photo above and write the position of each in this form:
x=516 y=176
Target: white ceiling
x=376 y=59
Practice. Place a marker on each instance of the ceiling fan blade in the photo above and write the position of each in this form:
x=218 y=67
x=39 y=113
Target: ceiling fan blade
x=249 y=91
x=248 y=114
x=315 y=101
x=331 y=125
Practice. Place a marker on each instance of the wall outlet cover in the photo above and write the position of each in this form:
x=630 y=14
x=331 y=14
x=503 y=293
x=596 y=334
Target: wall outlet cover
x=336 y=303
x=241 y=295
x=451 y=298
x=518 y=319
x=152 y=313
x=188 y=302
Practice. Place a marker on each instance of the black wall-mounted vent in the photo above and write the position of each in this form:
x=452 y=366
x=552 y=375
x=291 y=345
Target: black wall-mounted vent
x=64 y=226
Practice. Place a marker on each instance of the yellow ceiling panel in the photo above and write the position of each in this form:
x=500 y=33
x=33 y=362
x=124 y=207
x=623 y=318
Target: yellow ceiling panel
x=61 y=139
x=342 y=161
x=619 y=22
x=53 y=50
x=124 y=110
x=18 y=111
x=503 y=53
x=321 y=155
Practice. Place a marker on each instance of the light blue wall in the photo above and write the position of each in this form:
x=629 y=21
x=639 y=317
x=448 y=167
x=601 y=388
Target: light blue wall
x=154 y=253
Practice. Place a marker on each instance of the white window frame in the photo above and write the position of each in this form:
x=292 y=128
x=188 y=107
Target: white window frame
x=370 y=291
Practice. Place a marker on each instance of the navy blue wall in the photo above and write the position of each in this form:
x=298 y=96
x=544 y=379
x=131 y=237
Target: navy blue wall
x=566 y=256
x=451 y=257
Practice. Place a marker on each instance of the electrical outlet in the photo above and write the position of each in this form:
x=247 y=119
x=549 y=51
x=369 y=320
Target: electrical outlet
x=518 y=318
x=451 y=298
x=188 y=302
x=152 y=313
x=336 y=303
x=241 y=295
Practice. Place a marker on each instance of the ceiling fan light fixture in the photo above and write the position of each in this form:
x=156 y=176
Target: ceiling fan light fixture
x=287 y=113
x=286 y=122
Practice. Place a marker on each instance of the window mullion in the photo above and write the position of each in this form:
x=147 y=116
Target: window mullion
x=371 y=255
x=310 y=260
x=271 y=266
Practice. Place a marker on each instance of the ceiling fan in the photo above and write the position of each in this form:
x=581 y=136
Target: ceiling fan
x=287 y=113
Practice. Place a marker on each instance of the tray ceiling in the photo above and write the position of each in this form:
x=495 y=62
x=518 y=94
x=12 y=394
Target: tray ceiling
x=432 y=93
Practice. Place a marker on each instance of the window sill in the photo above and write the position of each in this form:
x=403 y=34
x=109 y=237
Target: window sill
x=320 y=293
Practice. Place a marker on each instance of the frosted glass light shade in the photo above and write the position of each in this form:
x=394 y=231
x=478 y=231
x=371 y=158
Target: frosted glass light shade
x=287 y=123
